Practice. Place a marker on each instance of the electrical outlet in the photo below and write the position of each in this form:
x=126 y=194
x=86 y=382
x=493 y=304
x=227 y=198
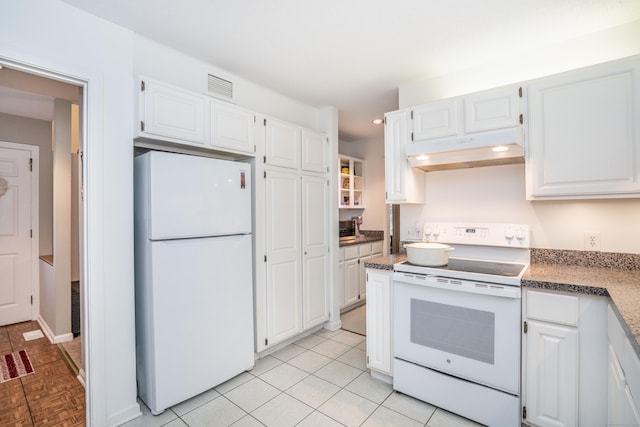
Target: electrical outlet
x=592 y=241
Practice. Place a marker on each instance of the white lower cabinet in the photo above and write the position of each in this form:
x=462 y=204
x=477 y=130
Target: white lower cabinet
x=552 y=371
x=379 y=320
x=564 y=355
x=353 y=279
x=624 y=376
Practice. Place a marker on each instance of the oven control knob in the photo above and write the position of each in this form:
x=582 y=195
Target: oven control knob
x=520 y=235
x=427 y=231
x=436 y=232
x=509 y=234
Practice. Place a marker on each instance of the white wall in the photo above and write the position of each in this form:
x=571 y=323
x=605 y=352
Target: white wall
x=23 y=130
x=497 y=194
x=50 y=35
x=374 y=215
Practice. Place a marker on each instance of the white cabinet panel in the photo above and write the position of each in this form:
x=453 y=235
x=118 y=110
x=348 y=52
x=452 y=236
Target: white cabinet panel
x=232 y=128
x=379 y=316
x=314 y=152
x=351 y=286
x=492 y=109
x=170 y=113
x=436 y=119
x=315 y=256
x=283 y=219
x=622 y=407
x=403 y=184
x=282 y=144
x=552 y=374
x=584 y=136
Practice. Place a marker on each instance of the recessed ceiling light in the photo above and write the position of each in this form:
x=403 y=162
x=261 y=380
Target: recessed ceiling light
x=1 y=67
x=377 y=121
x=500 y=148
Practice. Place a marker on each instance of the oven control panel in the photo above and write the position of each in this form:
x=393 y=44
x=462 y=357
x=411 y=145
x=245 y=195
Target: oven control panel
x=486 y=234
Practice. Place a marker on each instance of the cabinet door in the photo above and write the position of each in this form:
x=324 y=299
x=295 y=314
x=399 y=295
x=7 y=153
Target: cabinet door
x=437 y=119
x=622 y=408
x=172 y=113
x=584 y=135
x=315 y=257
x=351 y=282
x=403 y=184
x=551 y=372
x=379 y=304
x=232 y=128
x=315 y=149
x=282 y=144
x=283 y=218
x=492 y=109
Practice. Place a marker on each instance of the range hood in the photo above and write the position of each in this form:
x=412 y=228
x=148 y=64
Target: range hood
x=500 y=147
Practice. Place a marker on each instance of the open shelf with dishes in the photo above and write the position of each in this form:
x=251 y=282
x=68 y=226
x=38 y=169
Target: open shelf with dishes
x=351 y=194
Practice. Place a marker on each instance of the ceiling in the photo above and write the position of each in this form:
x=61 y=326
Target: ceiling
x=354 y=54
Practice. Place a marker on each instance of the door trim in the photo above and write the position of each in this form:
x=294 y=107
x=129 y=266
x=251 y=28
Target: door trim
x=35 y=224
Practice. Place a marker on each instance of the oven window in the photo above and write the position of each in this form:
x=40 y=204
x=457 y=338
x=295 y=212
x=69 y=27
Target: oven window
x=463 y=331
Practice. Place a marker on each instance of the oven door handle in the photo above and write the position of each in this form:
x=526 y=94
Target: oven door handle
x=466 y=286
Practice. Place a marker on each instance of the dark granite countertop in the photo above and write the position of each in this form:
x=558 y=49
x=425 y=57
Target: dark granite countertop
x=616 y=276
x=368 y=237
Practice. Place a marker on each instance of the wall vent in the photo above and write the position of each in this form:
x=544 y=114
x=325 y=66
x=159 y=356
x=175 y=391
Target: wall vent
x=220 y=87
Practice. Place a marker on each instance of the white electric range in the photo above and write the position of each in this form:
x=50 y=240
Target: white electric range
x=457 y=327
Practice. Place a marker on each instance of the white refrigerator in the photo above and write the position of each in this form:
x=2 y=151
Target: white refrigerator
x=193 y=275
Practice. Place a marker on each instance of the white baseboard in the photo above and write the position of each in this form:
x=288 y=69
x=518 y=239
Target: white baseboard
x=333 y=326
x=121 y=417
x=81 y=378
x=53 y=339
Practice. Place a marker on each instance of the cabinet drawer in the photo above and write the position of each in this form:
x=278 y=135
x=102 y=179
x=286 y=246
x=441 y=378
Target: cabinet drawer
x=376 y=248
x=364 y=250
x=555 y=308
x=350 y=252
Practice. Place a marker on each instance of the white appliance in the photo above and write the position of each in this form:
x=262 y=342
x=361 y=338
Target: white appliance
x=193 y=271
x=457 y=327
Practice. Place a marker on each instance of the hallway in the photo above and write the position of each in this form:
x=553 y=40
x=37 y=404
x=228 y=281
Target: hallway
x=51 y=396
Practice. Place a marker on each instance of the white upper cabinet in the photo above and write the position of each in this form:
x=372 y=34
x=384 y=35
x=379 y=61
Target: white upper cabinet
x=293 y=147
x=282 y=144
x=437 y=119
x=314 y=151
x=584 y=133
x=403 y=184
x=171 y=114
x=493 y=109
x=477 y=112
x=232 y=128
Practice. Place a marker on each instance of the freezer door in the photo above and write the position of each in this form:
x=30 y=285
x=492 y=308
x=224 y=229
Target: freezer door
x=195 y=317
x=190 y=196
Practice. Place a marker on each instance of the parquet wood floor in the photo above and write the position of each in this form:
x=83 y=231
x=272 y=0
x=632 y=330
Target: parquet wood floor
x=51 y=396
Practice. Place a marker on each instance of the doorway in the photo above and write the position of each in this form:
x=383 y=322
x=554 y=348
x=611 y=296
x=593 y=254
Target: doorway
x=28 y=99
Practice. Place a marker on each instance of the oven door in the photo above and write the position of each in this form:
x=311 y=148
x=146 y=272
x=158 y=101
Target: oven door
x=466 y=329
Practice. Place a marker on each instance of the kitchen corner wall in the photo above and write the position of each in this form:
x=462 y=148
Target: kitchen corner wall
x=497 y=193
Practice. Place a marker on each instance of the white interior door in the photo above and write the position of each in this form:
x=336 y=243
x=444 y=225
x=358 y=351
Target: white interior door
x=15 y=236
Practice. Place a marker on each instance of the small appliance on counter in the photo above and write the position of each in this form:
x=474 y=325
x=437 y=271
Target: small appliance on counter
x=347 y=230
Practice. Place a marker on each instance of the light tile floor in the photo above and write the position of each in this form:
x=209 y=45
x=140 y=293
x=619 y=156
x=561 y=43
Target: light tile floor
x=320 y=380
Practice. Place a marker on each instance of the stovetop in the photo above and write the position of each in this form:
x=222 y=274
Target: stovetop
x=486 y=252
x=508 y=273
